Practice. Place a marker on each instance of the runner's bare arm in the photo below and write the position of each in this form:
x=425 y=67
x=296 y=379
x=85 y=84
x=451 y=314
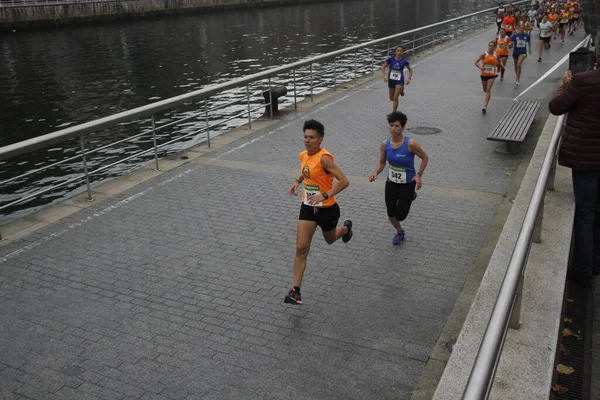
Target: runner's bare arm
x=416 y=148
x=383 y=71
x=410 y=74
x=294 y=187
x=381 y=164
x=479 y=59
x=342 y=182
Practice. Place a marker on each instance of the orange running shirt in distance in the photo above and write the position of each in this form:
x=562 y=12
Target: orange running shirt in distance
x=489 y=64
x=316 y=180
x=502 y=46
x=508 y=23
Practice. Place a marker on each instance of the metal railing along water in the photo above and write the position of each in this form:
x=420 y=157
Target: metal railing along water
x=506 y=311
x=28 y=3
x=307 y=77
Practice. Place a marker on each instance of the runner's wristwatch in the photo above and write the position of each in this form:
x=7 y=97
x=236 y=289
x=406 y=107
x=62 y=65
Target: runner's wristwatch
x=325 y=196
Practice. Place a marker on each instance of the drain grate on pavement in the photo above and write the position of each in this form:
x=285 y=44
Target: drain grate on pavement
x=424 y=130
x=574 y=349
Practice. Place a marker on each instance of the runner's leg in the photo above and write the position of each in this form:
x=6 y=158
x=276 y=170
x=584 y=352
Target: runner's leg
x=488 y=91
x=520 y=66
x=304 y=235
x=397 y=91
x=335 y=234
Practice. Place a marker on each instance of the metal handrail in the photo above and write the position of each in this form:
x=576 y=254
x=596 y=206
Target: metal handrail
x=149 y=109
x=484 y=368
x=242 y=95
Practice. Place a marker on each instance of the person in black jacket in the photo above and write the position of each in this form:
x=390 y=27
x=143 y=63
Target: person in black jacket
x=579 y=95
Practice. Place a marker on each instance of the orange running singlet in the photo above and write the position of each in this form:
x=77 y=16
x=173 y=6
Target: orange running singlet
x=508 y=23
x=502 y=46
x=490 y=61
x=316 y=180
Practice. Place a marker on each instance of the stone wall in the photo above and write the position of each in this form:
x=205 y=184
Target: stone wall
x=68 y=12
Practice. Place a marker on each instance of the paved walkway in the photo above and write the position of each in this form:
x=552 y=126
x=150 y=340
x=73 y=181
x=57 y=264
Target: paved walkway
x=174 y=289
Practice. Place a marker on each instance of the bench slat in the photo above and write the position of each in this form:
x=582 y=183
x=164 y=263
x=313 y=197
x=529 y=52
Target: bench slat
x=513 y=127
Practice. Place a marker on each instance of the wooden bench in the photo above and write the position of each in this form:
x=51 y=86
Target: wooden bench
x=513 y=127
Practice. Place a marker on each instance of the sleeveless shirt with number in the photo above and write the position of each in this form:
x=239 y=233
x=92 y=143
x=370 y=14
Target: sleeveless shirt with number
x=502 y=45
x=316 y=180
x=489 y=64
x=401 y=162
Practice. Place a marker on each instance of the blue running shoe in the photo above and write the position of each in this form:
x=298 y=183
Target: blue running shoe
x=399 y=237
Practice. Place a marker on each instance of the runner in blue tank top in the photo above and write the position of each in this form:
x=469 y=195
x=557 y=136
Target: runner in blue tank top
x=395 y=75
x=399 y=151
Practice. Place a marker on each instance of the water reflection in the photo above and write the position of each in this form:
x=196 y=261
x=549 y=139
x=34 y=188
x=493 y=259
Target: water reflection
x=54 y=79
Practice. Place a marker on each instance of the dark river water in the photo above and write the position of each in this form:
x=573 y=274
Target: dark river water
x=52 y=79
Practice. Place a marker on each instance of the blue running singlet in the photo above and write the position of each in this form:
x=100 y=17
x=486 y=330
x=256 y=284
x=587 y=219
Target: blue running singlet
x=401 y=162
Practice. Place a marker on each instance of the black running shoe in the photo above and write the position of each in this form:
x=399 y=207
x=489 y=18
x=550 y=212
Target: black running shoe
x=293 y=297
x=346 y=238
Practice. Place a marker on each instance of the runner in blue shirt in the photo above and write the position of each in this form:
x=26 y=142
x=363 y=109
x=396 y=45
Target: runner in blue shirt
x=395 y=75
x=519 y=43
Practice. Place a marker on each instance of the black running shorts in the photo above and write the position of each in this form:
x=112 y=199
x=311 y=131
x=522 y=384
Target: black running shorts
x=325 y=217
x=398 y=199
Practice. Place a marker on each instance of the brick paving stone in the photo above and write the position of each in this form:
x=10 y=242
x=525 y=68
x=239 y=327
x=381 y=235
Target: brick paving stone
x=174 y=288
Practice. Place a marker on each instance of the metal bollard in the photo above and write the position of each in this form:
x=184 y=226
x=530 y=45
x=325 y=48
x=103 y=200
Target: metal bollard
x=154 y=142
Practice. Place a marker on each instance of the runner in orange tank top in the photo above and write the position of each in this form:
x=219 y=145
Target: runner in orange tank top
x=489 y=62
x=509 y=23
x=319 y=207
x=502 y=42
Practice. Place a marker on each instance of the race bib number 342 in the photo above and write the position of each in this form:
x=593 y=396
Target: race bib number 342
x=397 y=174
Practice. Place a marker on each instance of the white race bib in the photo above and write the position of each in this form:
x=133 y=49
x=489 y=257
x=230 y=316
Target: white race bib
x=489 y=69
x=395 y=75
x=501 y=46
x=575 y=15
x=498 y=19
x=311 y=190
x=508 y=27
x=396 y=174
x=521 y=43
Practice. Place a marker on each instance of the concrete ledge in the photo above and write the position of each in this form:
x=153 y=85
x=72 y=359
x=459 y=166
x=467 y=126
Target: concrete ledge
x=527 y=362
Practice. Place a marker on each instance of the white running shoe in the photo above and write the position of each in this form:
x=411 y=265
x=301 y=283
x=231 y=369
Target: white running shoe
x=517 y=83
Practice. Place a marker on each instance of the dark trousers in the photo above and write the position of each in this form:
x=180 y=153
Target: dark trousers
x=586 y=185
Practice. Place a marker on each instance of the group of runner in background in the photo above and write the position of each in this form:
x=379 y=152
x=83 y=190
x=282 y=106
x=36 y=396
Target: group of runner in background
x=515 y=27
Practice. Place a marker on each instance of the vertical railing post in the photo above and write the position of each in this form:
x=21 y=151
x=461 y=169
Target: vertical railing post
x=295 y=96
x=355 y=68
x=537 y=232
x=515 y=317
x=206 y=120
x=311 y=83
x=414 y=44
x=85 y=169
x=248 y=100
x=154 y=143
x=270 y=99
x=552 y=176
x=335 y=74
x=372 y=60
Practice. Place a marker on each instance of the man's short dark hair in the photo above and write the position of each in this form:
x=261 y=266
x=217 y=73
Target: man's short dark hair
x=315 y=126
x=397 y=116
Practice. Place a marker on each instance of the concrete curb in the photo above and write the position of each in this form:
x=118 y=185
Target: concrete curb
x=527 y=362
